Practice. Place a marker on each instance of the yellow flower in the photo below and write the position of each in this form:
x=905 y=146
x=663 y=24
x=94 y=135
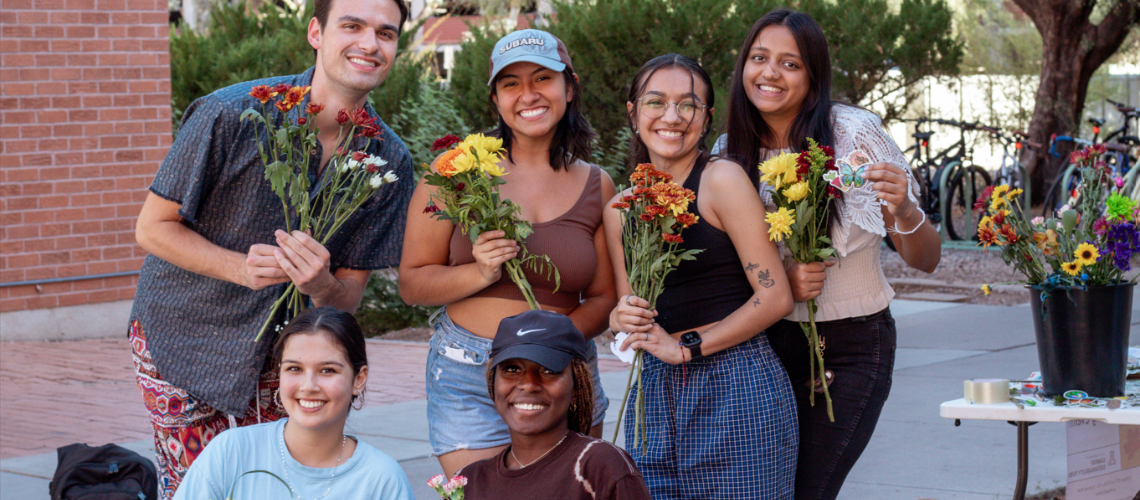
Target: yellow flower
x=777 y=170
x=1072 y=268
x=489 y=145
x=1086 y=254
x=797 y=191
x=781 y=223
x=985 y=222
x=465 y=162
x=1013 y=194
x=999 y=192
x=491 y=167
x=997 y=203
x=987 y=289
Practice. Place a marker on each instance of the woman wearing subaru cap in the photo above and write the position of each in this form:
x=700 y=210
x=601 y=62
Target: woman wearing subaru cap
x=541 y=386
x=537 y=98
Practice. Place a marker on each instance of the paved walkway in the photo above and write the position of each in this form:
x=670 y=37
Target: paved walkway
x=57 y=393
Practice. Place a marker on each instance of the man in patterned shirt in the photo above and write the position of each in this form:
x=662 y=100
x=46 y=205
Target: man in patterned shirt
x=219 y=257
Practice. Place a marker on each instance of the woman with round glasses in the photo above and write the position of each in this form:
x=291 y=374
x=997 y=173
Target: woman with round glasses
x=780 y=95
x=536 y=95
x=720 y=415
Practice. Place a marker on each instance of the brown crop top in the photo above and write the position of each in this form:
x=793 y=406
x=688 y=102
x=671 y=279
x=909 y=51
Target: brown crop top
x=569 y=242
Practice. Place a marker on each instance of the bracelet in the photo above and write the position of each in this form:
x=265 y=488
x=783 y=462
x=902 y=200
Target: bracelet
x=896 y=228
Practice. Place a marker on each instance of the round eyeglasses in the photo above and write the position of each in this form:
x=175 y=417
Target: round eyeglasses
x=653 y=107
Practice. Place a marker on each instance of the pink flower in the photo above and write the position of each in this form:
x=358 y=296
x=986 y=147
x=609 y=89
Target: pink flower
x=437 y=481
x=1038 y=221
x=1100 y=226
x=1119 y=182
x=460 y=480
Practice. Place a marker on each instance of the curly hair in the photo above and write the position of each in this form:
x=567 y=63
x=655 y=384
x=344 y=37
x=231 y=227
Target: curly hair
x=581 y=416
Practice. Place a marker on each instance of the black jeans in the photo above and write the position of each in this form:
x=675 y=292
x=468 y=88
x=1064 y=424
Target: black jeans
x=861 y=353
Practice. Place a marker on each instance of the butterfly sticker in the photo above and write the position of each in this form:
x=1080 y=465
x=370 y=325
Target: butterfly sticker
x=850 y=172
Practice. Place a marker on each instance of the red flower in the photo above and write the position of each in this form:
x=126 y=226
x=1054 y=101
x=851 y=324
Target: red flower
x=828 y=151
x=686 y=219
x=281 y=88
x=620 y=204
x=445 y=142
x=999 y=218
x=459 y=186
x=646 y=217
x=804 y=164
x=342 y=117
x=1009 y=233
x=372 y=168
x=314 y=108
x=262 y=93
x=655 y=210
x=365 y=123
x=983 y=199
x=431 y=208
x=833 y=192
x=672 y=238
x=301 y=121
x=830 y=165
x=359 y=155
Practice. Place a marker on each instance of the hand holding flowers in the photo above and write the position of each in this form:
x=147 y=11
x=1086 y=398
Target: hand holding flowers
x=803 y=195
x=467 y=179
x=311 y=218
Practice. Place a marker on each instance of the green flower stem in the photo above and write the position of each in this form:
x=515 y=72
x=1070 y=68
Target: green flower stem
x=628 y=385
x=273 y=312
x=816 y=358
x=515 y=272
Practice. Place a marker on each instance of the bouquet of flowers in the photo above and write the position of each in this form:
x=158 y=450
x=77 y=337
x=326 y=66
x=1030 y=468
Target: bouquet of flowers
x=1091 y=244
x=448 y=490
x=292 y=140
x=803 y=187
x=653 y=215
x=468 y=177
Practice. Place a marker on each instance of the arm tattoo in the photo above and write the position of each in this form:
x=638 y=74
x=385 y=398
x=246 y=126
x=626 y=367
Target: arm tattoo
x=765 y=279
x=751 y=267
x=755 y=303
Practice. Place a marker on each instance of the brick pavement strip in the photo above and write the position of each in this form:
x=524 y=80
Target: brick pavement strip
x=56 y=393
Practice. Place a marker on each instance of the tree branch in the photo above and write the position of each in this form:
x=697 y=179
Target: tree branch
x=1111 y=32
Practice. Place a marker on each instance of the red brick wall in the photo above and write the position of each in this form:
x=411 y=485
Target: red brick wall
x=84 y=124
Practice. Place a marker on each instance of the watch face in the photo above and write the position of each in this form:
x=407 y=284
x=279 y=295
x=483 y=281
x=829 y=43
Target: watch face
x=690 y=338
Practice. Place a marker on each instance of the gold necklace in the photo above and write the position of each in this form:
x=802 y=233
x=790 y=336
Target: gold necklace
x=523 y=466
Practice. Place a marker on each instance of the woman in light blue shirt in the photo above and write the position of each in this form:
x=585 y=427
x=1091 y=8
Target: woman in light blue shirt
x=324 y=368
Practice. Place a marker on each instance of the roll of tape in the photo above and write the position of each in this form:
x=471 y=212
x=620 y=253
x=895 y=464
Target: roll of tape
x=987 y=391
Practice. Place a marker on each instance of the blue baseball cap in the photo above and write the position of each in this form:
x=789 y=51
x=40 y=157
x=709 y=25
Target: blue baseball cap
x=529 y=45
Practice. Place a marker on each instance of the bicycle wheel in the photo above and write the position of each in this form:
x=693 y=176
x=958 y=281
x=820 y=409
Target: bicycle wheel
x=967 y=184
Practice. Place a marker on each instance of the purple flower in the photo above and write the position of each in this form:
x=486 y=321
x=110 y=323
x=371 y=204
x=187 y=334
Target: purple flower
x=1100 y=227
x=1123 y=241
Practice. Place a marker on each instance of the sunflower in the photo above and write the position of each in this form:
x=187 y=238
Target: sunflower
x=781 y=223
x=1086 y=254
x=1072 y=268
x=987 y=289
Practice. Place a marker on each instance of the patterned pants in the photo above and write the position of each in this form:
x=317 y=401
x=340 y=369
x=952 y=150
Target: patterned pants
x=183 y=425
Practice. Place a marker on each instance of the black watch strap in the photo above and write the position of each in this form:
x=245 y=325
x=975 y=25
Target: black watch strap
x=695 y=352
x=692 y=340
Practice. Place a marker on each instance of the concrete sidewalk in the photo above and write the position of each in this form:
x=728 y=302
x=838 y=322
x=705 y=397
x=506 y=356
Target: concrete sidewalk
x=914 y=454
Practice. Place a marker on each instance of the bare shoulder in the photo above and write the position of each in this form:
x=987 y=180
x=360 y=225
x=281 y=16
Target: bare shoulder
x=725 y=175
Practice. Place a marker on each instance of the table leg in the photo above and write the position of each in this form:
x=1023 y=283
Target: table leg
x=1022 y=459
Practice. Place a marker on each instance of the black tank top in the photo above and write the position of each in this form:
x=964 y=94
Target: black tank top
x=707 y=289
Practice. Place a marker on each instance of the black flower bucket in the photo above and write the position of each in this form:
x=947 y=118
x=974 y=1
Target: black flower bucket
x=1082 y=338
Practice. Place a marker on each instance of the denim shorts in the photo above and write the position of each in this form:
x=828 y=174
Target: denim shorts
x=461 y=414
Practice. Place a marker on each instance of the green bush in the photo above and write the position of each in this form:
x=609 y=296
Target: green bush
x=430 y=115
x=382 y=310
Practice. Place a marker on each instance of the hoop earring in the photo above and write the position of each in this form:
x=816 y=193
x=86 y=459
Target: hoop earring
x=277 y=399
x=358 y=403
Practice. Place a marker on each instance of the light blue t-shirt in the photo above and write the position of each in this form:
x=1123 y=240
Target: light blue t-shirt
x=368 y=474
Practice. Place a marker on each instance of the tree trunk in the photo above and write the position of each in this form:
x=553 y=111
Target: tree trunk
x=1073 y=50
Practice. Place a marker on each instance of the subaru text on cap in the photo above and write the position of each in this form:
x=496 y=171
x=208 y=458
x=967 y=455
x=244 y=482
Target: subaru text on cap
x=529 y=45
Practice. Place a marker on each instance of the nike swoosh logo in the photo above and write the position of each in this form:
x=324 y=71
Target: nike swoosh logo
x=520 y=333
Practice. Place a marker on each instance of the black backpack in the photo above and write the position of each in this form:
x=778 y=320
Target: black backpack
x=108 y=472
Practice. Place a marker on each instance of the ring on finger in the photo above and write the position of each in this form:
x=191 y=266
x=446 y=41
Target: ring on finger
x=647 y=336
x=627 y=300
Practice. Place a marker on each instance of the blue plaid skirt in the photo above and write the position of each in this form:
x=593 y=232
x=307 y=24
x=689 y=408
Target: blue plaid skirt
x=723 y=427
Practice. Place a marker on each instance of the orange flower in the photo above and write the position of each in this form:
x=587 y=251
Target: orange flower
x=445 y=164
x=646 y=217
x=672 y=196
x=620 y=205
x=314 y=108
x=655 y=210
x=687 y=219
x=987 y=236
x=672 y=238
x=293 y=97
x=262 y=93
x=1008 y=233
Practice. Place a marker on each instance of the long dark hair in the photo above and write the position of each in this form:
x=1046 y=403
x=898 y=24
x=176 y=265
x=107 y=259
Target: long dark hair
x=571 y=139
x=638 y=153
x=581 y=416
x=747 y=131
x=339 y=326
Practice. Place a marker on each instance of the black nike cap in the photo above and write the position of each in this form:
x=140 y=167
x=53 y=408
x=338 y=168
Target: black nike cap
x=544 y=337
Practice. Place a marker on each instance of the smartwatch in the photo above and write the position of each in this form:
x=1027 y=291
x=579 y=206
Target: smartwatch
x=692 y=341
